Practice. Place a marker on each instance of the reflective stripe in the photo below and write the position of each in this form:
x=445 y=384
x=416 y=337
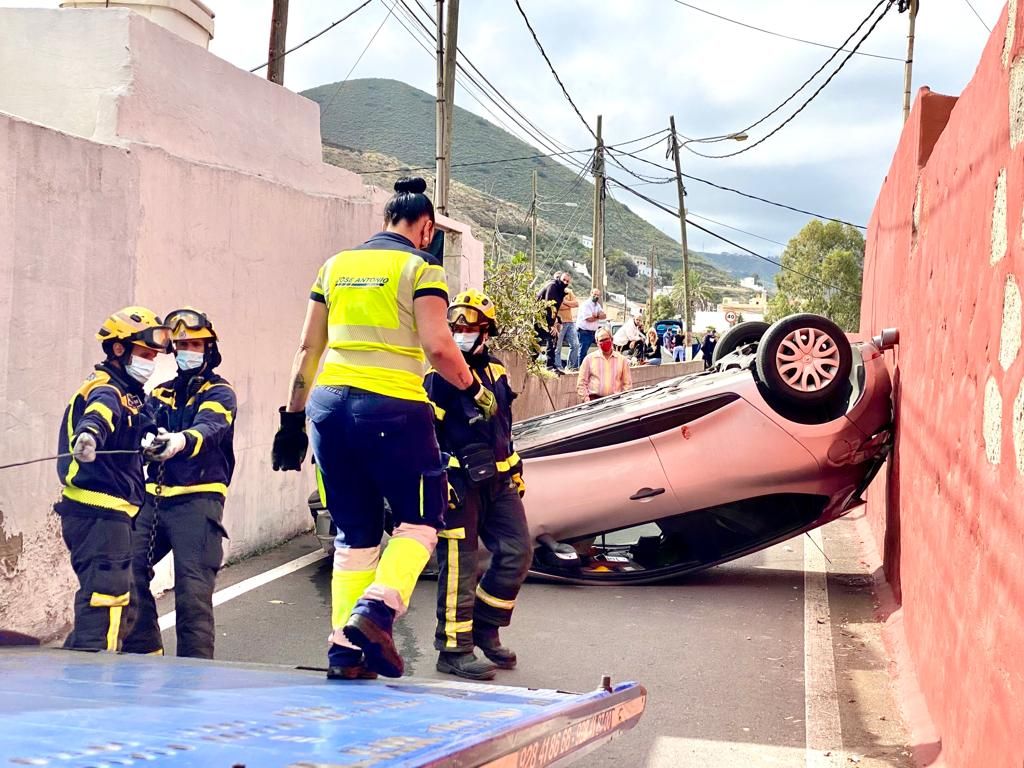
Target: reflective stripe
x=421 y=496
x=439 y=412
x=451 y=603
x=114 y=628
x=497 y=371
x=99 y=499
x=163 y=395
x=199 y=441
x=210 y=405
x=494 y=602
x=320 y=488
x=452 y=533
x=503 y=466
x=182 y=490
x=104 y=411
x=453 y=462
x=99 y=600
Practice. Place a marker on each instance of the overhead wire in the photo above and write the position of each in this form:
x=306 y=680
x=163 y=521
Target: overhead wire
x=780 y=34
x=309 y=40
x=337 y=90
x=975 y=10
x=496 y=161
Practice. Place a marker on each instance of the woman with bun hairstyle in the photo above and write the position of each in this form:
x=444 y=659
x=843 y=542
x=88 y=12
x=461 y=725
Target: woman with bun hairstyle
x=380 y=312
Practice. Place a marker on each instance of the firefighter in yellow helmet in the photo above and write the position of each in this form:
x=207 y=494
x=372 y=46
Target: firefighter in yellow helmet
x=184 y=509
x=102 y=431
x=486 y=476
x=378 y=309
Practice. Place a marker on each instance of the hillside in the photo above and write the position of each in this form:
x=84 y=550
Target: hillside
x=374 y=124
x=741 y=265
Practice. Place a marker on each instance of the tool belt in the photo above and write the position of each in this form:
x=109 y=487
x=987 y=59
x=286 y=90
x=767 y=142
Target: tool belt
x=477 y=460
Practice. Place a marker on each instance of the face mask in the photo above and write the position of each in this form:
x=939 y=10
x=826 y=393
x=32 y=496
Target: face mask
x=189 y=361
x=467 y=342
x=606 y=346
x=140 y=369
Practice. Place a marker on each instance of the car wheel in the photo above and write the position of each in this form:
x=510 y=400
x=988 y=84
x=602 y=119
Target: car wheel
x=805 y=359
x=737 y=336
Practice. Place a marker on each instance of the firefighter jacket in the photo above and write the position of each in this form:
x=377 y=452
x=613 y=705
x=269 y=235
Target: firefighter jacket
x=203 y=407
x=458 y=422
x=110 y=406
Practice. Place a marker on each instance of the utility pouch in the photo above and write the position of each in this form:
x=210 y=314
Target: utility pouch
x=478 y=462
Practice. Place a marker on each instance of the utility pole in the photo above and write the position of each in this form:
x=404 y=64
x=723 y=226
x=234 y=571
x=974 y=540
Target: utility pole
x=597 y=259
x=278 y=33
x=451 y=48
x=650 y=288
x=439 y=119
x=674 y=142
x=533 y=229
x=909 y=65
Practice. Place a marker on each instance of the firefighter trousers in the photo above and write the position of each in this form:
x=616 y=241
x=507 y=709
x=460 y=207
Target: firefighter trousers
x=192 y=530
x=493 y=512
x=100 y=549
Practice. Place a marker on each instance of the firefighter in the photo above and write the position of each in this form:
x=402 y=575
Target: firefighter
x=193 y=460
x=486 y=477
x=378 y=309
x=103 y=430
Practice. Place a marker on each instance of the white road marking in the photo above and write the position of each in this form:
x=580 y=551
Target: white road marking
x=168 y=620
x=821 y=697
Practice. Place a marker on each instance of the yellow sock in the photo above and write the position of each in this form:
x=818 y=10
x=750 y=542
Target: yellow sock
x=400 y=566
x=346 y=588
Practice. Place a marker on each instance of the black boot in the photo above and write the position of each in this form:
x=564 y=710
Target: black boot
x=465 y=665
x=369 y=628
x=485 y=637
x=347 y=664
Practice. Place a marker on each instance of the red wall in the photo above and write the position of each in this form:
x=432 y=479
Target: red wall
x=949 y=514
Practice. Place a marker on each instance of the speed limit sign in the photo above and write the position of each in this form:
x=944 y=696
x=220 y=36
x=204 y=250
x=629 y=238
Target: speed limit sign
x=730 y=317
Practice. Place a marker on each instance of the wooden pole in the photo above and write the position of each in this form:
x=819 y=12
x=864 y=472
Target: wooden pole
x=533 y=229
x=439 y=120
x=451 y=47
x=597 y=258
x=278 y=33
x=908 y=68
x=674 y=141
x=650 y=288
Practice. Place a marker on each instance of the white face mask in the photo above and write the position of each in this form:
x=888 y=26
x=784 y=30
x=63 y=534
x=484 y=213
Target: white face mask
x=189 y=361
x=467 y=342
x=140 y=369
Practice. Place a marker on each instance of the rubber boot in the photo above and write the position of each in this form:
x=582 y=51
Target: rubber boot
x=369 y=628
x=345 y=663
x=485 y=637
x=465 y=665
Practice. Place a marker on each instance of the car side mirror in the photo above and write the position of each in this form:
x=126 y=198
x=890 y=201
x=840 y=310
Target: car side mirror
x=889 y=338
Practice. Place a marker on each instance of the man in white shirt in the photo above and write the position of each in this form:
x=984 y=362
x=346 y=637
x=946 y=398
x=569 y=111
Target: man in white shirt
x=589 y=320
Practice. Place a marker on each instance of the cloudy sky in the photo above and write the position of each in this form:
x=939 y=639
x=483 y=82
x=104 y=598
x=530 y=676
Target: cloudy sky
x=639 y=61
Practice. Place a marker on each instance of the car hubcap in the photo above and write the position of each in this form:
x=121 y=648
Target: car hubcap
x=807 y=360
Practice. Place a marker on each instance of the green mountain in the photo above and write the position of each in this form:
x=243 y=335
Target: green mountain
x=367 y=123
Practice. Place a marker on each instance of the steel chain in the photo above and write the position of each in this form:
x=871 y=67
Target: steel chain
x=157 y=494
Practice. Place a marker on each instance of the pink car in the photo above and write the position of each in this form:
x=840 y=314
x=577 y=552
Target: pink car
x=782 y=435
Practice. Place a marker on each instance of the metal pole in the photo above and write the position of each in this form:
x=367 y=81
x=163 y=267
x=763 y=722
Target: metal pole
x=439 y=120
x=597 y=258
x=278 y=33
x=674 y=139
x=533 y=229
x=909 y=66
x=451 y=46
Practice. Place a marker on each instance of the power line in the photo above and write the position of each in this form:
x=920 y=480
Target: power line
x=809 y=99
x=733 y=190
x=780 y=34
x=551 y=66
x=308 y=40
x=352 y=69
x=736 y=229
x=464 y=165
x=971 y=6
x=675 y=212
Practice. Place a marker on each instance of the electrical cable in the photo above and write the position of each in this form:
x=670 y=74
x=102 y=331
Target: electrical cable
x=779 y=34
x=478 y=162
x=809 y=99
x=735 y=229
x=323 y=110
x=308 y=40
x=551 y=66
x=65 y=456
x=971 y=6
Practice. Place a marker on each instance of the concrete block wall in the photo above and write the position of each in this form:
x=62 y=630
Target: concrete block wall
x=945 y=264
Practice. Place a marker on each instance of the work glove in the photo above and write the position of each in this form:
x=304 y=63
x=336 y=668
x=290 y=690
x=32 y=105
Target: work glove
x=484 y=400
x=166 y=445
x=290 y=442
x=519 y=483
x=84 y=448
x=453 y=497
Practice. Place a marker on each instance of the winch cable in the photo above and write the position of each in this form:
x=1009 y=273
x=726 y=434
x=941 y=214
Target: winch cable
x=66 y=456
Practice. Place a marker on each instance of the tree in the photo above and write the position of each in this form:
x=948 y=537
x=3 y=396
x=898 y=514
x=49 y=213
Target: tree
x=822 y=269
x=510 y=286
x=663 y=308
x=701 y=293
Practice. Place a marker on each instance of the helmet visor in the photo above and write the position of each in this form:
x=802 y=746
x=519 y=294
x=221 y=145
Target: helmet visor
x=468 y=316
x=188 y=318
x=158 y=338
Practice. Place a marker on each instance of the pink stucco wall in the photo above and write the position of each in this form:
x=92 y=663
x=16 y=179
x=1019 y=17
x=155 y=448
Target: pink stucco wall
x=209 y=192
x=945 y=264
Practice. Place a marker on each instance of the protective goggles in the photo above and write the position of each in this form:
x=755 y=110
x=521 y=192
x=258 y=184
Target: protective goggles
x=189 y=318
x=158 y=338
x=467 y=316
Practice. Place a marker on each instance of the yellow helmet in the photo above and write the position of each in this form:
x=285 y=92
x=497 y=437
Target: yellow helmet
x=189 y=323
x=473 y=308
x=135 y=325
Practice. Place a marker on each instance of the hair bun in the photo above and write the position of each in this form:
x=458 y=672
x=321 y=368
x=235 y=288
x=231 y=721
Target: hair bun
x=416 y=186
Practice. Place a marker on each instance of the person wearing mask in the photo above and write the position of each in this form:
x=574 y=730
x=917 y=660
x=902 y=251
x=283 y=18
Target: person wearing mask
x=184 y=510
x=588 y=320
x=567 y=327
x=652 y=351
x=627 y=337
x=101 y=437
x=603 y=374
x=486 y=478
x=707 y=347
x=380 y=310
x=553 y=294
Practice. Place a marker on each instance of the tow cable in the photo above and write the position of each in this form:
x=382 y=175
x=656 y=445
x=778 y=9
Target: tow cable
x=66 y=456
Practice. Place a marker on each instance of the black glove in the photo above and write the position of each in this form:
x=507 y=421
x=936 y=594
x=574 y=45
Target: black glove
x=290 y=442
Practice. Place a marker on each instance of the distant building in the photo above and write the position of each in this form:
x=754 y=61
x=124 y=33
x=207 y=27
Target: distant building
x=751 y=283
x=643 y=265
x=586 y=241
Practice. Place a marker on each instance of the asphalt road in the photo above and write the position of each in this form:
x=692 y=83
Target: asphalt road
x=722 y=654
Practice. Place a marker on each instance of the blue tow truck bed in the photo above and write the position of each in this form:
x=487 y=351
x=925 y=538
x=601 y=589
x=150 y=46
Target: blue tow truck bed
x=82 y=709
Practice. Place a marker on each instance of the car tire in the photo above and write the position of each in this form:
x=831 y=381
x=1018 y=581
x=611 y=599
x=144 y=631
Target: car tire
x=737 y=336
x=805 y=360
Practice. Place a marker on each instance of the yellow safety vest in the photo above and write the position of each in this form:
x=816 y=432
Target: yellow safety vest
x=371 y=330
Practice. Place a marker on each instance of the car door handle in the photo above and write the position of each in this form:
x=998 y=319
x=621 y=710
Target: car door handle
x=646 y=493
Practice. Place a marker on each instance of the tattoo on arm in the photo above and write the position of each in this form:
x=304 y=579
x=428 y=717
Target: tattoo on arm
x=298 y=383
